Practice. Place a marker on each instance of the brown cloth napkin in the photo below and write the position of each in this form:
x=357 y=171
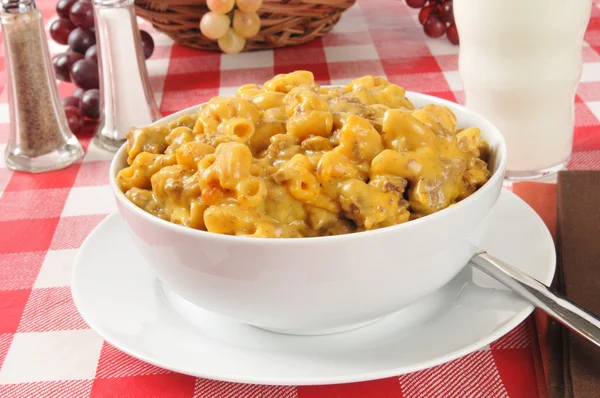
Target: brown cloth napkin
x=574 y=364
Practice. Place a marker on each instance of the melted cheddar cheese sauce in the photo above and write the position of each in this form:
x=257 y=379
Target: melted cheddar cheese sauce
x=293 y=159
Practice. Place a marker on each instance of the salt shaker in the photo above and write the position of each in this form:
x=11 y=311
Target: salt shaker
x=40 y=138
x=126 y=99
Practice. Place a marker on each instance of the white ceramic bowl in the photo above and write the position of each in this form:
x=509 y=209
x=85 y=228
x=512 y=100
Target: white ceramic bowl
x=323 y=284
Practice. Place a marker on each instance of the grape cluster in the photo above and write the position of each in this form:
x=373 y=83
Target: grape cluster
x=437 y=18
x=75 y=27
x=231 y=27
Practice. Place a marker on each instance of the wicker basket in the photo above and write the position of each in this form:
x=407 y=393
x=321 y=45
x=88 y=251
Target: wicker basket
x=283 y=22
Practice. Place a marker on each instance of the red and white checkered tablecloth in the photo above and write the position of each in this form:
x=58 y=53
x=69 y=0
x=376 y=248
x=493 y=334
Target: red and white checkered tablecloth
x=47 y=350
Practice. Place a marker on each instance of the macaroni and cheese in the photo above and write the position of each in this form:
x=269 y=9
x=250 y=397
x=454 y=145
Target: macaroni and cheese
x=294 y=159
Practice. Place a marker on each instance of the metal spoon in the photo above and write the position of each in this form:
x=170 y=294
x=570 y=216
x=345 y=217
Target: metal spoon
x=579 y=320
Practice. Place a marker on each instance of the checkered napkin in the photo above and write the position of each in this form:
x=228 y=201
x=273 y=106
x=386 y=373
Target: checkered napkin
x=47 y=350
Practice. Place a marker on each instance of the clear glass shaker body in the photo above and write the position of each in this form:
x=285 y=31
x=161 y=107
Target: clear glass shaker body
x=40 y=139
x=126 y=99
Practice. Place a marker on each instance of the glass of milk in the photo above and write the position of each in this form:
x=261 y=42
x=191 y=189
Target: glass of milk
x=520 y=63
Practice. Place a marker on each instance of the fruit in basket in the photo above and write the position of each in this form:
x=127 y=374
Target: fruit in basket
x=231 y=33
x=437 y=18
x=248 y=5
x=220 y=6
x=79 y=64
x=214 y=25
x=231 y=43
x=246 y=24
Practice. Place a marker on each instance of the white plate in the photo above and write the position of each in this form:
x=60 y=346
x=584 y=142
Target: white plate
x=119 y=297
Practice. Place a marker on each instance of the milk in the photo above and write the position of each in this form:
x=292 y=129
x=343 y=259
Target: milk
x=520 y=63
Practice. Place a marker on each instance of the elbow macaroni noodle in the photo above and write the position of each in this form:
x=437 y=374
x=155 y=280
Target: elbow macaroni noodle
x=293 y=159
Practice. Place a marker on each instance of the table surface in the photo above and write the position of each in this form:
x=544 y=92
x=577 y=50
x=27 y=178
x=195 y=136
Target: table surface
x=47 y=350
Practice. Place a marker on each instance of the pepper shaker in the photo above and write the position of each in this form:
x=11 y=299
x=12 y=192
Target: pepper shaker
x=40 y=138
x=126 y=99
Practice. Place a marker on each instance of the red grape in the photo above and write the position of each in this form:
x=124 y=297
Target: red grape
x=433 y=26
x=82 y=14
x=452 y=34
x=446 y=13
x=147 y=44
x=90 y=104
x=60 y=29
x=63 y=7
x=70 y=101
x=92 y=54
x=73 y=56
x=81 y=39
x=84 y=73
x=62 y=68
x=74 y=118
x=78 y=93
x=63 y=63
x=424 y=13
x=415 y=3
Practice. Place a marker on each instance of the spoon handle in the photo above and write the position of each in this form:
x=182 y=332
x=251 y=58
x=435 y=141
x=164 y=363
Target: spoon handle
x=581 y=321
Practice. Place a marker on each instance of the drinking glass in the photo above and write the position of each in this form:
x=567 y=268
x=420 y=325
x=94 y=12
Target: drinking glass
x=520 y=63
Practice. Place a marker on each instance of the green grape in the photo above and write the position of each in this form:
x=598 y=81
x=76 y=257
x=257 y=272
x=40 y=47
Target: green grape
x=248 y=5
x=214 y=25
x=231 y=43
x=220 y=6
x=246 y=24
